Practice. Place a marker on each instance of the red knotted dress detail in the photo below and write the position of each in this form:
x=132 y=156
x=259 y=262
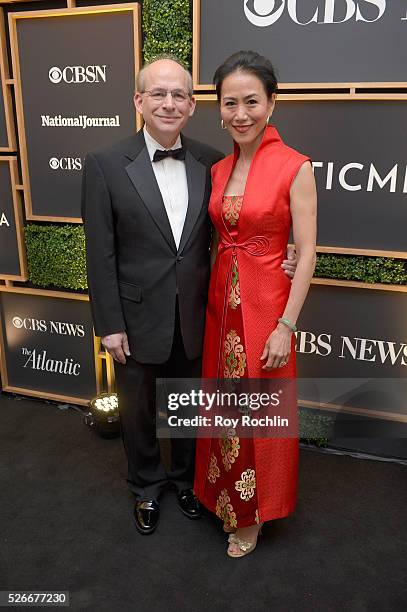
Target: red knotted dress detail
x=249 y=480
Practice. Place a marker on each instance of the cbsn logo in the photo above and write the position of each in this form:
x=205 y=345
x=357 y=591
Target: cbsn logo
x=77 y=74
x=65 y=163
x=263 y=13
x=53 y=327
x=360 y=349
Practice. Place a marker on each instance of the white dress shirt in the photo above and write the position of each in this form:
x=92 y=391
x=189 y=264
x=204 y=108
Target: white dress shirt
x=172 y=181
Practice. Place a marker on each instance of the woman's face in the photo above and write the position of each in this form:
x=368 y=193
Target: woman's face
x=244 y=107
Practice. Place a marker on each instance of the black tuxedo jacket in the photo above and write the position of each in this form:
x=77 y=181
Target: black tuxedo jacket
x=134 y=268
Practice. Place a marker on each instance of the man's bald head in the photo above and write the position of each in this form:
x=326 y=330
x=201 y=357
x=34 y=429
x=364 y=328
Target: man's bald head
x=164 y=98
x=161 y=63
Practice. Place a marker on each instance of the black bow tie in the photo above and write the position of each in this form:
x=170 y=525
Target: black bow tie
x=175 y=153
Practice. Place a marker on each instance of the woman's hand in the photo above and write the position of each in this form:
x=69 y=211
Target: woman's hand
x=289 y=265
x=277 y=348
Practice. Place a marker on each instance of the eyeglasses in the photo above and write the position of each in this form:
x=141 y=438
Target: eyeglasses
x=159 y=95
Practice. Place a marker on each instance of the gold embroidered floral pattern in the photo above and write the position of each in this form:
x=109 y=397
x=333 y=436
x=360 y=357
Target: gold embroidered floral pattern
x=229 y=449
x=234 y=294
x=213 y=471
x=224 y=509
x=234 y=356
x=232 y=206
x=247 y=485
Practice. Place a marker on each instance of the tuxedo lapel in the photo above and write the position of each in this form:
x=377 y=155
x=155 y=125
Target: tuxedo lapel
x=196 y=180
x=142 y=176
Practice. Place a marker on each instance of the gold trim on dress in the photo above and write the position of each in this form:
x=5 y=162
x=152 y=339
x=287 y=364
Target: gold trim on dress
x=234 y=356
x=231 y=206
x=213 y=470
x=224 y=509
x=247 y=485
x=229 y=449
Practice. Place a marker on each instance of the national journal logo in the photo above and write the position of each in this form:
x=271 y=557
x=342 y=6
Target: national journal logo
x=80 y=121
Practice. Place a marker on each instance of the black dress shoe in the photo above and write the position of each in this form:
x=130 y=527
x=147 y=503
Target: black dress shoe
x=188 y=504
x=146 y=516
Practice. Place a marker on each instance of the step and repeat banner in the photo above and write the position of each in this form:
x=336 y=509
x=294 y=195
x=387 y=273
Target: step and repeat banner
x=71 y=98
x=12 y=250
x=358 y=152
x=73 y=92
x=3 y=121
x=342 y=63
x=352 y=350
x=47 y=345
x=7 y=130
x=327 y=43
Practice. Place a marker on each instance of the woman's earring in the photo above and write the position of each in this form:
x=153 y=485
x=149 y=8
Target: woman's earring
x=268 y=119
x=222 y=125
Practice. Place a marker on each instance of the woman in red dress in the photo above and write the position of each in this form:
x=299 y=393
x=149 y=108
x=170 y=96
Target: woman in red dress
x=258 y=193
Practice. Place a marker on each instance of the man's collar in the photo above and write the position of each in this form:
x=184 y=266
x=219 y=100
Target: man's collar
x=152 y=145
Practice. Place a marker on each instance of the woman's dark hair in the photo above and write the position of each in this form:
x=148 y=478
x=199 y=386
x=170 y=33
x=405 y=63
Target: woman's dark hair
x=247 y=61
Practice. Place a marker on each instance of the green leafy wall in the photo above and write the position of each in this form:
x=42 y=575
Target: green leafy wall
x=167 y=28
x=56 y=257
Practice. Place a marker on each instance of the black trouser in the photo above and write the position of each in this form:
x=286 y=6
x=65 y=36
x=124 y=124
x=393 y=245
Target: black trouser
x=136 y=389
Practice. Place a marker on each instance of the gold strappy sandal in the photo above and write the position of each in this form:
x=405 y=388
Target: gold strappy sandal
x=245 y=547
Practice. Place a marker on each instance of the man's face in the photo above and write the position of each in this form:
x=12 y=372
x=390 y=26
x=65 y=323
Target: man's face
x=165 y=115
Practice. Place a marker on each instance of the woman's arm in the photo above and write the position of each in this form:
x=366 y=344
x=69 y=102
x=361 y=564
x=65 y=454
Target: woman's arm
x=303 y=204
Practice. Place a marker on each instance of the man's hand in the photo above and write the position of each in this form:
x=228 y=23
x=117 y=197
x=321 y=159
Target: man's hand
x=117 y=346
x=289 y=265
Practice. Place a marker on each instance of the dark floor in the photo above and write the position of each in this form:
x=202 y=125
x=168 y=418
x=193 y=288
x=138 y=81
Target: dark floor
x=66 y=524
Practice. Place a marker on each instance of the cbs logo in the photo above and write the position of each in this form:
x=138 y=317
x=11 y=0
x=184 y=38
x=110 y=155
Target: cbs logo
x=18 y=322
x=65 y=163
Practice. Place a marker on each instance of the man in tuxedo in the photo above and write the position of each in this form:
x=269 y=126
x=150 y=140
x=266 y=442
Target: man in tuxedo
x=144 y=206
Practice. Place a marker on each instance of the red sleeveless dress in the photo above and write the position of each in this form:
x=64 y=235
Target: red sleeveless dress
x=249 y=480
